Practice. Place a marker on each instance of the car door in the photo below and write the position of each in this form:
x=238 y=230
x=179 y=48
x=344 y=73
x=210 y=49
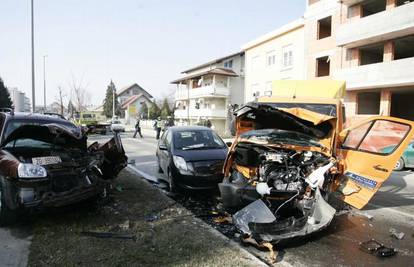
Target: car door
x=409 y=155
x=366 y=158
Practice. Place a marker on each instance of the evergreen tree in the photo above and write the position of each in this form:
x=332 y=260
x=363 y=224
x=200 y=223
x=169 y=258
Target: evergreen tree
x=144 y=111
x=107 y=107
x=165 y=110
x=5 y=100
x=154 y=111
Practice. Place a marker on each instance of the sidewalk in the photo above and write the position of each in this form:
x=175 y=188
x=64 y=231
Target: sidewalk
x=157 y=232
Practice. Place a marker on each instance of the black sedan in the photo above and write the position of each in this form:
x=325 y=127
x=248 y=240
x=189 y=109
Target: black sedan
x=191 y=157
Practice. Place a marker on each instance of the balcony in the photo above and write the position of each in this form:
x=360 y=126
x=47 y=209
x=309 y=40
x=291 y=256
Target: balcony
x=393 y=73
x=386 y=25
x=202 y=92
x=196 y=113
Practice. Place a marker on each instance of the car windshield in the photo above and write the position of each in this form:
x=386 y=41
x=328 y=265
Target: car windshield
x=272 y=136
x=16 y=123
x=197 y=139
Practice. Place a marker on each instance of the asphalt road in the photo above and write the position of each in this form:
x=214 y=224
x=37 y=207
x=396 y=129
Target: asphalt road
x=393 y=207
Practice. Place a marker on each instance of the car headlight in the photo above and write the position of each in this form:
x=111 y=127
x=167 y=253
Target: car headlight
x=26 y=170
x=180 y=163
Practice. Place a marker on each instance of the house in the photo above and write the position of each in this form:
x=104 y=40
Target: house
x=208 y=91
x=278 y=55
x=132 y=98
x=370 y=45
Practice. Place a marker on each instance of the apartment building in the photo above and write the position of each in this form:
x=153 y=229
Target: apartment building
x=370 y=45
x=207 y=92
x=278 y=55
x=20 y=102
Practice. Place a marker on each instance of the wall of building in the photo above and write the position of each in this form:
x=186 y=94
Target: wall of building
x=265 y=62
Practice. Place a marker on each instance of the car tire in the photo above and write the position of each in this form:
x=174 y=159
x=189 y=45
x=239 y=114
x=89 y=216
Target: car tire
x=7 y=216
x=171 y=182
x=399 y=166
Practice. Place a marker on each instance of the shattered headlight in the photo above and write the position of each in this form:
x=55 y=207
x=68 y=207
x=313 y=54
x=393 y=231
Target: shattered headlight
x=182 y=165
x=26 y=170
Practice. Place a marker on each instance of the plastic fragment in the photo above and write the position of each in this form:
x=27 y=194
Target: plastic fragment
x=396 y=234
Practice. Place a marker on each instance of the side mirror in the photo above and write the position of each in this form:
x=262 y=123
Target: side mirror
x=162 y=147
x=229 y=144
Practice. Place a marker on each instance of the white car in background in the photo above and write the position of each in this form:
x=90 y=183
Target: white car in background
x=117 y=126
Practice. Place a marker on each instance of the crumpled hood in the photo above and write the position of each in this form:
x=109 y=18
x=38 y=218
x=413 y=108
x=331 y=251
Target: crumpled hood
x=255 y=116
x=49 y=133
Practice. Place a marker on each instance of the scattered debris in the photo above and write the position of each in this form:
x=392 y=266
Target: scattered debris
x=125 y=225
x=396 y=234
x=109 y=235
x=151 y=217
x=119 y=188
x=247 y=239
x=376 y=248
x=223 y=219
x=364 y=214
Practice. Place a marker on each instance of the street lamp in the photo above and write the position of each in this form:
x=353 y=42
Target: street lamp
x=33 y=65
x=44 y=81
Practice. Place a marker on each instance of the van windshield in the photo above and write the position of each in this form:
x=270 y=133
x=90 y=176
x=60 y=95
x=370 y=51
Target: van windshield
x=325 y=109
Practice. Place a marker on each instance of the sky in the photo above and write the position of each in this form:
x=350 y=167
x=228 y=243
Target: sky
x=129 y=41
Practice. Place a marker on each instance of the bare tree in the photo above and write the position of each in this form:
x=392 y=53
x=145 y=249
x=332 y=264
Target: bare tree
x=60 y=97
x=80 y=94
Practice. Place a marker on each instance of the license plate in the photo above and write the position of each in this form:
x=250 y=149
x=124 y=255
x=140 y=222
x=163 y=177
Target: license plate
x=46 y=160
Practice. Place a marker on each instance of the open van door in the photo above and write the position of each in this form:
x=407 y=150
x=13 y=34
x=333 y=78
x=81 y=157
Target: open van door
x=369 y=152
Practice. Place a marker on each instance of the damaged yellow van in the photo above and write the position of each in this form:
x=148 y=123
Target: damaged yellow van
x=292 y=159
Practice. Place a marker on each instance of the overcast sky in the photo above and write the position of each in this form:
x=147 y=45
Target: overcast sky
x=129 y=41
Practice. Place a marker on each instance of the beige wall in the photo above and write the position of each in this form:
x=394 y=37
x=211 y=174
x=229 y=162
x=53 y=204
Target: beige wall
x=259 y=74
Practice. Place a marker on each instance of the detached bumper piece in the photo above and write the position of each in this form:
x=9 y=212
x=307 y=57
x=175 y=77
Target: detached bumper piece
x=257 y=220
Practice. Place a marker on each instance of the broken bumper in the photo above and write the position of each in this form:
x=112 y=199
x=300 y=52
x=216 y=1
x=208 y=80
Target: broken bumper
x=257 y=220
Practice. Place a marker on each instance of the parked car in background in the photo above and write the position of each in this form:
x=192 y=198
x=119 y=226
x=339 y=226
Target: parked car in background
x=117 y=126
x=191 y=157
x=407 y=158
x=45 y=162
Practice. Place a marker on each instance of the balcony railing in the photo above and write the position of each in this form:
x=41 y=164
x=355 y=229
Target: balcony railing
x=205 y=91
x=385 y=25
x=393 y=73
x=196 y=113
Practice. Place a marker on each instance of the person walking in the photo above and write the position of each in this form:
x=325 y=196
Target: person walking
x=137 y=129
x=158 y=125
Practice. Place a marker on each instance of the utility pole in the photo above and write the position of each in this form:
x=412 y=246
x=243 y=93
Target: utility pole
x=33 y=65
x=44 y=81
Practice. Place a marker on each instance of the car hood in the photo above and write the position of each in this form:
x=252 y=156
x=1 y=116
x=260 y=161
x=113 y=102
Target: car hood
x=199 y=155
x=257 y=116
x=49 y=133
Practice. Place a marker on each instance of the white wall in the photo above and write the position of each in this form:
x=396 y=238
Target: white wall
x=259 y=75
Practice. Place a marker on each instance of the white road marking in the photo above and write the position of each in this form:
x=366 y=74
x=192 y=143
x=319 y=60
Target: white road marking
x=392 y=210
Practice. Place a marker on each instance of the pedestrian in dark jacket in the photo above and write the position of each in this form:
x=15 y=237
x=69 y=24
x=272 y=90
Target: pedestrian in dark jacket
x=137 y=129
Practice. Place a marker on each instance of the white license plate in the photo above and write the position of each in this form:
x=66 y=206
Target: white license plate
x=46 y=160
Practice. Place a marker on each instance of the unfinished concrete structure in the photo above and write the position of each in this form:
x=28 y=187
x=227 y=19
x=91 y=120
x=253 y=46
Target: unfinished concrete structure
x=370 y=45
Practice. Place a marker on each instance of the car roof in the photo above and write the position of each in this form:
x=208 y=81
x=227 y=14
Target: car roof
x=188 y=128
x=32 y=116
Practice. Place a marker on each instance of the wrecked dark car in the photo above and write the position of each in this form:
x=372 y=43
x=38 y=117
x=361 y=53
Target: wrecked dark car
x=291 y=160
x=45 y=162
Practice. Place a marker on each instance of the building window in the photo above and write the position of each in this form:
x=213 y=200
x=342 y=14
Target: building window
x=228 y=64
x=404 y=47
x=322 y=66
x=271 y=58
x=372 y=7
x=371 y=54
x=368 y=103
x=255 y=62
x=287 y=60
x=403 y=2
x=324 y=27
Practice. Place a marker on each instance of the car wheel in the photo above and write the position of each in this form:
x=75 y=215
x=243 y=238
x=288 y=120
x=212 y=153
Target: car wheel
x=399 y=165
x=7 y=216
x=171 y=182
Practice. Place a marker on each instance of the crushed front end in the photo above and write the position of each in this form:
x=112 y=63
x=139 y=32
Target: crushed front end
x=278 y=172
